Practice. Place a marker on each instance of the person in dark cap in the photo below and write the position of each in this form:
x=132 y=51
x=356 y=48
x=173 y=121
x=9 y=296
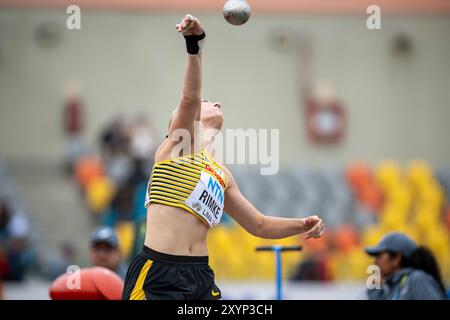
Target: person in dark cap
x=104 y=250
x=408 y=271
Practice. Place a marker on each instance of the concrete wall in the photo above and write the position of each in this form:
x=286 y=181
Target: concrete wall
x=130 y=62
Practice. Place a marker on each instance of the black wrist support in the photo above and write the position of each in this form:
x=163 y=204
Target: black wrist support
x=194 y=43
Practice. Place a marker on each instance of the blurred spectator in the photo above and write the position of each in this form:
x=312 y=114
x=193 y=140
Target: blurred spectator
x=312 y=268
x=408 y=271
x=19 y=226
x=4 y=269
x=18 y=252
x=139 y=179
x=315 y=265
x=119 y=167
x=140 y=211
x=115 y=151
x=141 y=171
x=114 y=138
x=17 y=265
x=73 y=124
x=74 y=111
x=142 y=138
x=66 y=258
x=104 y=251
x=122 y=206
x=4 y=221
x=119 y=183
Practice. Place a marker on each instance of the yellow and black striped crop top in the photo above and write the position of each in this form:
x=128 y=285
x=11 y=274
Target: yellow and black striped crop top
x=194 y=182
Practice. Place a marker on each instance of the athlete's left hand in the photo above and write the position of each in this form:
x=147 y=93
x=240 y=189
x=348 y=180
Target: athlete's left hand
x=313 y=227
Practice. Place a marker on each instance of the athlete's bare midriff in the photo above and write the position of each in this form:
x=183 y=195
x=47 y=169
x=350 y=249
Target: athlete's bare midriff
x=175 y=231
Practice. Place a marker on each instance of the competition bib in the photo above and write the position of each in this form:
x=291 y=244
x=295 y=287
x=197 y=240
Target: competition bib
x=208 y=197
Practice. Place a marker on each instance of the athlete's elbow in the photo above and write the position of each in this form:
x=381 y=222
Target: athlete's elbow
x=191 y=98
x=258 y=228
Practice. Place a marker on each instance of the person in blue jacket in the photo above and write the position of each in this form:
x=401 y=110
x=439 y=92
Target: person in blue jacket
x=408 y=271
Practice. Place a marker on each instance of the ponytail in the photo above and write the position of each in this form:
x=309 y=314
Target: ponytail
x=423 y=259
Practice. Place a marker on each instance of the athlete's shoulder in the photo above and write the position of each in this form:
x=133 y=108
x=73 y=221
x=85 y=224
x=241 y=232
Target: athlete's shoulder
x=230 y=182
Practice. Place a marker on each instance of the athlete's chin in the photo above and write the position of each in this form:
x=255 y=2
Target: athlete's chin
x=219 y=124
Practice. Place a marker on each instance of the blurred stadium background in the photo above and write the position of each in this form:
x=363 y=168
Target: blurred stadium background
x=78 y=108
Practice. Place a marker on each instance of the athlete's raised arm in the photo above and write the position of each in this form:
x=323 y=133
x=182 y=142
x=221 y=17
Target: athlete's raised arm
x=268 y=227
x=190 y=104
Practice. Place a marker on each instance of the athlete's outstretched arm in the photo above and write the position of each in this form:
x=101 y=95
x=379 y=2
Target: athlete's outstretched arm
x=260 y=225
x=190 y=103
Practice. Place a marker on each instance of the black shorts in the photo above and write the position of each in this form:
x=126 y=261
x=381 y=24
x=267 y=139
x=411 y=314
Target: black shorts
x=154 y=275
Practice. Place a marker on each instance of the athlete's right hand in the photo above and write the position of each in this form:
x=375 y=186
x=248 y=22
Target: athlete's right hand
x=189 y=25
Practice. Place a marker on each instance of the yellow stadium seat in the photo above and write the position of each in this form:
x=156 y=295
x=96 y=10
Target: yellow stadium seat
x=372 y=235
x=387 y=174
x=99 y=194
x=125 y=234
x=392 y=220
x=358 y=261
x=400 y=195
x=419 y=171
